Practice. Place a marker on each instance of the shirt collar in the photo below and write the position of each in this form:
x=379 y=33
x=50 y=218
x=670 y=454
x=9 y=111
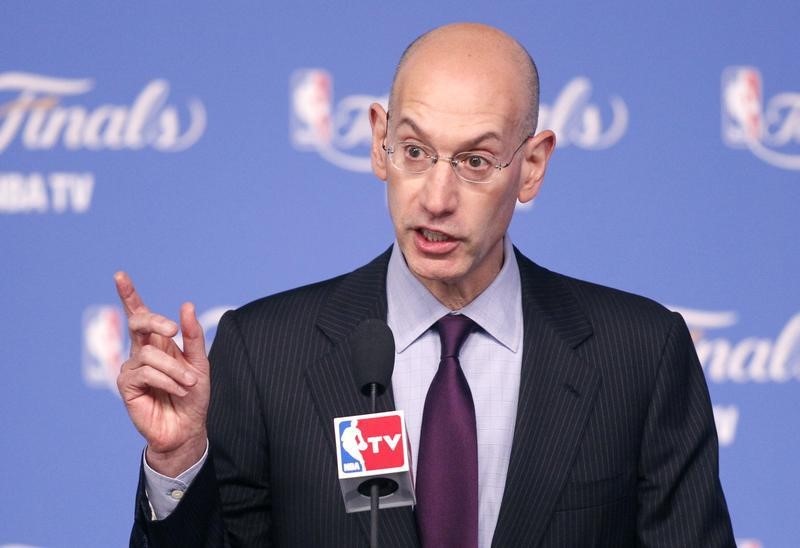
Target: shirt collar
x=412 y=309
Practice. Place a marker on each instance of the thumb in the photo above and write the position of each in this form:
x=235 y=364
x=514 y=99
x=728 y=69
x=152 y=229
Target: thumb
x=194 y=345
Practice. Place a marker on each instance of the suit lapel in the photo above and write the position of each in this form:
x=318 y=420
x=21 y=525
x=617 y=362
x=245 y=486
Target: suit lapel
x=557 y=392
x=359 y=296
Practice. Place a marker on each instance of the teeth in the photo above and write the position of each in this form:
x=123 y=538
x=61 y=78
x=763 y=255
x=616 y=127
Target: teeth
x=433 y=236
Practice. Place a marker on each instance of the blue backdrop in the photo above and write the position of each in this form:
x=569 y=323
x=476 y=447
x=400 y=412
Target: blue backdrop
x=218 y=152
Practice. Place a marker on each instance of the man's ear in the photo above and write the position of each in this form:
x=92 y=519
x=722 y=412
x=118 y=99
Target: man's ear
x=536 y=156
x=377 y=120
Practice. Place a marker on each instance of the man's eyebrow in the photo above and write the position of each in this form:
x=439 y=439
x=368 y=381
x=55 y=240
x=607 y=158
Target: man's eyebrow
x=486 y=136
x=405 y=120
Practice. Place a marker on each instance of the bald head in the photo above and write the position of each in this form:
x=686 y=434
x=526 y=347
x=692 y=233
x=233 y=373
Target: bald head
x=483 y=51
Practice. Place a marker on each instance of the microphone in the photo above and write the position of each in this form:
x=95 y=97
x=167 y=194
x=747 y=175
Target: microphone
x=373 y=357
x=372 y=454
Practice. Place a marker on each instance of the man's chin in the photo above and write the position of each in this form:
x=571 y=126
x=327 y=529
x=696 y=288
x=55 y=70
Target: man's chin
x=439 y=270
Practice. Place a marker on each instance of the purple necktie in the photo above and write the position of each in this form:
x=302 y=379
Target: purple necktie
x=447 y=472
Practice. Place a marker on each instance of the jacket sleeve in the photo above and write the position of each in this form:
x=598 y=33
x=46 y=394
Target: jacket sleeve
x=680 y=497
x=196 y=521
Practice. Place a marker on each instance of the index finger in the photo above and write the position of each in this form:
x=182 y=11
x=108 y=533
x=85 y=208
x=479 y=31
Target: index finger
x=128 y=295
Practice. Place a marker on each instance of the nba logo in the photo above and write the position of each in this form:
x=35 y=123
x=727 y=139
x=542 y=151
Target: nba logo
x=102 y=346
x=311 y=93
x=742 y=106
x=351 y=445
x=370 y=443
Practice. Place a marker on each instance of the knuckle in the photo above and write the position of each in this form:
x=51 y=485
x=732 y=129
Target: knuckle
x=142 y=321
x=145 y=352
x=149 y=375
x=148 y=351
x=150 y=355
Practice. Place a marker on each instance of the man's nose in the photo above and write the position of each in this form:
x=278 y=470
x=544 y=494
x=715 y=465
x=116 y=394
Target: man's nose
x=440 y=193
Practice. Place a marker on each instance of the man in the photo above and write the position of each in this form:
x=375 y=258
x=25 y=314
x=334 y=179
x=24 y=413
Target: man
x=592 y=420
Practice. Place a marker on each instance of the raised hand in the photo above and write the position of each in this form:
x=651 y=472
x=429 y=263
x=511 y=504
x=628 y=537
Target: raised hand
x=165 y=389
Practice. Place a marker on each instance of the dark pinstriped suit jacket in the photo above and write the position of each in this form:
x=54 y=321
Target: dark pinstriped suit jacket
x=614 y=443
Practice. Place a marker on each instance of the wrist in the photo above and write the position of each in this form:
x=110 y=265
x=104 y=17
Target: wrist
x=174 y=462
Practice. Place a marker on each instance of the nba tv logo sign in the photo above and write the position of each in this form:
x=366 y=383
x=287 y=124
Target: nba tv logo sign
x=373 y=446
x=370 y=443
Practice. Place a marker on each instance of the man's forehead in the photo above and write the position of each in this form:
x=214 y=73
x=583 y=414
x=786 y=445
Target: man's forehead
x=473 y=112
x=459 y=93
x=468 y=129
x=483 y=74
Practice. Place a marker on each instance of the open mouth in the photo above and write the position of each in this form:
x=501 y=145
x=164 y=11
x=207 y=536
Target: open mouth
x=433 y=236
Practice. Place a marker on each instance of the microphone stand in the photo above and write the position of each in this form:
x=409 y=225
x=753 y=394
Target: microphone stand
x=373 y=489
x=373 y=361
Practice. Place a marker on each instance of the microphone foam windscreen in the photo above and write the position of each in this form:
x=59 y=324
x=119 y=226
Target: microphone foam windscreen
x=372 y=344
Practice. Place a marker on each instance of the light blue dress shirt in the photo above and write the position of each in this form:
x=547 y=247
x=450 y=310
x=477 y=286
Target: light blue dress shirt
x=491 y=359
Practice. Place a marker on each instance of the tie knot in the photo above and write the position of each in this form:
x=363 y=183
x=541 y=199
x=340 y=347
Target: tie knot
x=453 y=331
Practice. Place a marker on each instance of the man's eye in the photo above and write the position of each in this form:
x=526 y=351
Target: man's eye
x=414 y=152
x=475 y=161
